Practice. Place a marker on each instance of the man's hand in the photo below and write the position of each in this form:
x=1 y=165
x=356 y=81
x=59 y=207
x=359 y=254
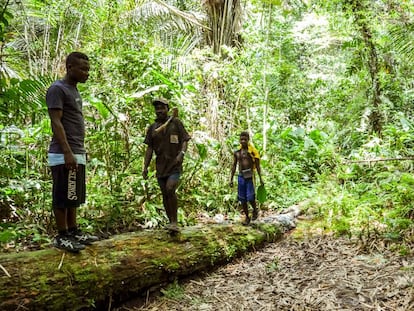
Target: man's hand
x=70 y=161
x=179 y=158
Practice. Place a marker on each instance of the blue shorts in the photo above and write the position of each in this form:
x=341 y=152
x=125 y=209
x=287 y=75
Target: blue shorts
x=245 y=189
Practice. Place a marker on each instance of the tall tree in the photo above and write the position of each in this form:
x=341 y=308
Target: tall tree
x=362 y=15
x=224 y=18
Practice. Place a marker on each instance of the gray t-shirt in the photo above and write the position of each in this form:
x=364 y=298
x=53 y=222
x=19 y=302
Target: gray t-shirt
x=67 y=98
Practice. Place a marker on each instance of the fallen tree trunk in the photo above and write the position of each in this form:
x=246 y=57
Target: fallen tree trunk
x=125 y=265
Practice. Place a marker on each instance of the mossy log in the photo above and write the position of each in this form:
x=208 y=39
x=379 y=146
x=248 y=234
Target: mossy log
x=122 y=266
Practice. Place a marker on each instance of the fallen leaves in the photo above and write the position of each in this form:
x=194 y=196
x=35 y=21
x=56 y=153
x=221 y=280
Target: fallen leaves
x=318 y=273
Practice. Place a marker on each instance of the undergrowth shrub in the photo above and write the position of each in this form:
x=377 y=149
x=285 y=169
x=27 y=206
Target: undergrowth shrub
x=371 y=193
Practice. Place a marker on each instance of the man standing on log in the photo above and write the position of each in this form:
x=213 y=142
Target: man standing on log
x=248 y=159
x=67 y=155
x=168 y=138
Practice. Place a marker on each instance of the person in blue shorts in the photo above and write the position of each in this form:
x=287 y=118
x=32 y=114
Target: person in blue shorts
x=248 y=160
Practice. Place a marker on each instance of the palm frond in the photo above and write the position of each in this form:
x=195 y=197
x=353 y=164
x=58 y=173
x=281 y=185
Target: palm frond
x=180 y=32
x=24 y=99
x=168 y=17
x=402 y=37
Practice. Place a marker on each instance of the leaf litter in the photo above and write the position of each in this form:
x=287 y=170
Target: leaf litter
x=314 y=273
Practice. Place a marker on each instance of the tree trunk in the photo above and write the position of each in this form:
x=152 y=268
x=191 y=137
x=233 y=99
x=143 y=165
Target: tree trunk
x=225 y=23
x=129 y=264
x=361 y=12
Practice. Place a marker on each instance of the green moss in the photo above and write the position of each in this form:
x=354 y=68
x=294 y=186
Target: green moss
x=128 y=262
x=167 y=263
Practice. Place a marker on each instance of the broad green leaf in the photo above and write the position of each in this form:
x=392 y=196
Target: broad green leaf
x=7 y=236
x=202 y=151
x=102 y=109
x=261 y=194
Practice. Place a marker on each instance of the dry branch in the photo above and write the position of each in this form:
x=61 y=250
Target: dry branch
x=379 y=160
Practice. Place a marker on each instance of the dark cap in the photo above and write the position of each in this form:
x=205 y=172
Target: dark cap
x=161 y=101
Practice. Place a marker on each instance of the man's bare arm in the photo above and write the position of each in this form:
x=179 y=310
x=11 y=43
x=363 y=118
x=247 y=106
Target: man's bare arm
x=233 y=169
x=147 y=160
x=60 y=135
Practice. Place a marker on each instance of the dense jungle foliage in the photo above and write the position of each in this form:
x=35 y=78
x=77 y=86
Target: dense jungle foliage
x=324 y=87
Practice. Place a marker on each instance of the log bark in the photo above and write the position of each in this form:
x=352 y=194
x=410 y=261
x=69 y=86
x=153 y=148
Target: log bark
x=125 y=265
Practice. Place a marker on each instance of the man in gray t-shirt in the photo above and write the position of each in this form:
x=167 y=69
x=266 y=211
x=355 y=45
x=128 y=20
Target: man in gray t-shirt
x=67 y=155
x=65 y=97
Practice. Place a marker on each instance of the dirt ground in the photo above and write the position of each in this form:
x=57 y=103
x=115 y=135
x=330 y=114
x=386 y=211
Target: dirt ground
x=316 y=273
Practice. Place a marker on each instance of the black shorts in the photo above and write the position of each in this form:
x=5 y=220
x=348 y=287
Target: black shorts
x=69 y=187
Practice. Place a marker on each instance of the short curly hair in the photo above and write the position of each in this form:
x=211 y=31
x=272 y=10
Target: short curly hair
x=245 y=133
x=74 y=56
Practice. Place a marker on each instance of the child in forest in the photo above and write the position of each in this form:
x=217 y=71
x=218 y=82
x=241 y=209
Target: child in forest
x=248 y=160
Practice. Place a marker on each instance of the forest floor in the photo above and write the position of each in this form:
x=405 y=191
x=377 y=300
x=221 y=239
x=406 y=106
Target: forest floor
x=299 y=272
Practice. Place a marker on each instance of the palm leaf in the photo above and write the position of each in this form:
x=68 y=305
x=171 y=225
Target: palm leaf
x=261 y=194
x=167 y=17
x=402 y=37
x=24 y=99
